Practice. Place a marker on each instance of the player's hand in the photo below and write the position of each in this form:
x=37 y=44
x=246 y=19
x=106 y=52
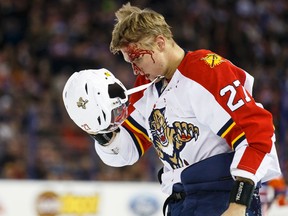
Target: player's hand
x=235 y=210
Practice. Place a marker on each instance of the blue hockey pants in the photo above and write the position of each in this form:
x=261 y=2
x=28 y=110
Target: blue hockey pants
x=205 y=190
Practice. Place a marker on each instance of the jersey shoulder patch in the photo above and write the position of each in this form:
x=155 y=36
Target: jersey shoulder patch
x=203 y=58
x=212 y=60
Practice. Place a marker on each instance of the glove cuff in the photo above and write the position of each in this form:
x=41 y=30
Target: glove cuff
x=104 y=138
x=242 y=193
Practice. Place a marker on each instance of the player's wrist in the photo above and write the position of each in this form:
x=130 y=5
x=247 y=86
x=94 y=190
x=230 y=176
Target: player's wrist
x=242 y=192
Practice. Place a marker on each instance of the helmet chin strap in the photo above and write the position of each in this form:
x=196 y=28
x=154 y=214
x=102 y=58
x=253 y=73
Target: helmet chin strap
x=142 y=87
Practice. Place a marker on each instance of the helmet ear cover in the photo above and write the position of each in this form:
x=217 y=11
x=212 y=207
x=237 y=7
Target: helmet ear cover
x=95 y=100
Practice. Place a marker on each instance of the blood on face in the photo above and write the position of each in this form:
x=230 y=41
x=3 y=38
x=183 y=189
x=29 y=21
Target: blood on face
x=134 y=52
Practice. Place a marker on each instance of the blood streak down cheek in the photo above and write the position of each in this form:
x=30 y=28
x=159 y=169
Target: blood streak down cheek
x=137 y=70
x=134 y=53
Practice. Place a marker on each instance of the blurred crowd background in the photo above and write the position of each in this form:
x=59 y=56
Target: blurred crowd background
x=42 y=42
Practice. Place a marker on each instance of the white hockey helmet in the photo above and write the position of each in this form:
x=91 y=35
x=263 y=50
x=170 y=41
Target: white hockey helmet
x=95 y=100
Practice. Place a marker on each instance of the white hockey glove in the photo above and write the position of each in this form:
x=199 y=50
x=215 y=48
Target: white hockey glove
x=96 y=101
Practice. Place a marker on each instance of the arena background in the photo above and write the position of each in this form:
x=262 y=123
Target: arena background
x=42 y=42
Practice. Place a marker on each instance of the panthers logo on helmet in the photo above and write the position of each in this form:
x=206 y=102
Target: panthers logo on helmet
x=82 y=103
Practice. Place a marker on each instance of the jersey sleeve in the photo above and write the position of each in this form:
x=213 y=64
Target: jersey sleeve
x=247 y=127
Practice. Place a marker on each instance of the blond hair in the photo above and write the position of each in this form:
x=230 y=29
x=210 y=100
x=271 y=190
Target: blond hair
x=134 y=25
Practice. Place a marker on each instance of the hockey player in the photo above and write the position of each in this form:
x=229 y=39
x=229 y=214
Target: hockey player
x=216 y=143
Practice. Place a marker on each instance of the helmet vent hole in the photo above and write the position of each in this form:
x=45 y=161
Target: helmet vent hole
x=104 y=115
x=115 y=90
x=86 y=88
x=99 y=120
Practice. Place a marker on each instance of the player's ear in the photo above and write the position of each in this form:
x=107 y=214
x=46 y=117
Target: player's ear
x=160 y=42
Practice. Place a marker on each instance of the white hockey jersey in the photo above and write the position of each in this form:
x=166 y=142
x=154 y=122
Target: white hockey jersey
x=206 y=109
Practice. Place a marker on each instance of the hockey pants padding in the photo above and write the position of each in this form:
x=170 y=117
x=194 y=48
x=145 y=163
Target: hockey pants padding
x=206 y=186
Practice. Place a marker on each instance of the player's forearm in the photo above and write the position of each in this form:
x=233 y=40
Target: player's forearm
x=235 y=210
x=268 y=164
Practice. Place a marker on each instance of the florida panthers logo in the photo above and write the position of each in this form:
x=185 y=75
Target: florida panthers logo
x=170 y=141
